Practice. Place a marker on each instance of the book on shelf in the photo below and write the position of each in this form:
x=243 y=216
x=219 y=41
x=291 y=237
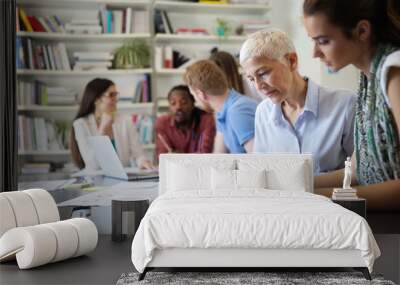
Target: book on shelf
x=166 y=57
x=142 y=91
x=93 y=60
x=36 y=168
x=145 y=126
x=158 y=22
x=166 y=22
x=252 y=26
x=40 y=134
x=35 y=92
x=83 y=29
x=192 y=31
x=33 y=55
x=123 y=21
x=32 y=23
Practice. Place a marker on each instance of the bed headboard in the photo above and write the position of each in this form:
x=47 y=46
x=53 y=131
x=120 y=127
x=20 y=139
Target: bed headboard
x=284 y=164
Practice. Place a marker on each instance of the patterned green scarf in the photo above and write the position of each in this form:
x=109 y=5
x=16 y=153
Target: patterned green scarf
x=377 y=145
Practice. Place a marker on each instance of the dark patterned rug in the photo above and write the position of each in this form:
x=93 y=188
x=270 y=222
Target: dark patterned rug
x=269 y=278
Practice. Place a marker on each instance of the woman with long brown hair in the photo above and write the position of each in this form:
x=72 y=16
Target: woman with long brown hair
x=366 y=34
x=97 y=115
x=229 y=66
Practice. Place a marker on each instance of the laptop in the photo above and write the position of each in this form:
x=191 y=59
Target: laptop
x=111 y=164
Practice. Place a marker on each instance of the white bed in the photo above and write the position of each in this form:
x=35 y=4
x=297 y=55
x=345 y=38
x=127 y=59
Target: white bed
x=201 y=219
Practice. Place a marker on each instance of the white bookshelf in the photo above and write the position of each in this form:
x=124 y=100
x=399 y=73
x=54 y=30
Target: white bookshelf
x=181 y=14
x=125 y=79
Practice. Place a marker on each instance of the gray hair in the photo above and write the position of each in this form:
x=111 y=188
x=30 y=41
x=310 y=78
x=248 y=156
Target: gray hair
x=271 y=43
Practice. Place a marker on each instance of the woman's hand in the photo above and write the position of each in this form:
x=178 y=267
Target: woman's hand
x=147 y=164
x=106 y=121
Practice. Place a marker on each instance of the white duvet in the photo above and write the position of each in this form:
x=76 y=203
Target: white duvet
x=250 y=219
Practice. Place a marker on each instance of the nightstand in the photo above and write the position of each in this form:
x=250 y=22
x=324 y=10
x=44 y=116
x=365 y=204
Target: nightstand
x=358 y=205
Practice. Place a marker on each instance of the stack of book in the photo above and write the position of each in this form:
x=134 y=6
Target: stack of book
x=344 y=194
x=48 y=24
x=88 y=60
x=33 y=55
x=251 y=26
x=124 y=21
x=88 y=25
x=35 y=168
x=41 y=134
x=38 y=93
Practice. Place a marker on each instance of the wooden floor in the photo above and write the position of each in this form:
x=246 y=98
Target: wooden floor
x=102 y=266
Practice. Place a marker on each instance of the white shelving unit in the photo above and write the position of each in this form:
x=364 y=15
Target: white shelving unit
x=181 y=14
x=124 y=79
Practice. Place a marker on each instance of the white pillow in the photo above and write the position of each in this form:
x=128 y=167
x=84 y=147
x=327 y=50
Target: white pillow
x=282 y=174
x=223 y=179
x=193 y=176
x=251 y=178
x=292 y=179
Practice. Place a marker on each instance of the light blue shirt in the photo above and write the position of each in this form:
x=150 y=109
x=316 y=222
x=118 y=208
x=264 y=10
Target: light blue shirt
x=236 y=121
x=324 y=128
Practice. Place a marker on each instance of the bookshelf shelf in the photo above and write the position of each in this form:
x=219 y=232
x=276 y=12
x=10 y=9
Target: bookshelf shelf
x=72 y=4
x=44 y=153
x=187 y=7
x=162 y=103
x=149 y=146
x=84 y=37
x=37 y=72
x=176 y=71
x=165 y=38
x=121 y=106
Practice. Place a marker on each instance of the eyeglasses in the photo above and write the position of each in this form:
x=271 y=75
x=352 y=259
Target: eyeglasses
x=111 y=94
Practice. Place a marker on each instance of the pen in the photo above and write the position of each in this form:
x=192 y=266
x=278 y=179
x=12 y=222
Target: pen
x=164 y=143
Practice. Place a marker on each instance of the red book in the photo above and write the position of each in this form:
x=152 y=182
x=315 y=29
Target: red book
x=36 y=25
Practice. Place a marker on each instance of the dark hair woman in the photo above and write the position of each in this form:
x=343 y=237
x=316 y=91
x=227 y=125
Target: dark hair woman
x=97 y=115
x=366 y=34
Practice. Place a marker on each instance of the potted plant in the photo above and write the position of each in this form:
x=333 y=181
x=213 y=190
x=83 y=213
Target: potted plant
x=133 y=54
x=223 y=27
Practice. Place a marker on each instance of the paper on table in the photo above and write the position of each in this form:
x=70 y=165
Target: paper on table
x=136 y=190
x=49 y=185
x=92 y=172
x=87 y=172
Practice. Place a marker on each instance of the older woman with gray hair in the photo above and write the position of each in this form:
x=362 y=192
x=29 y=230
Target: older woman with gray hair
x=297 y=116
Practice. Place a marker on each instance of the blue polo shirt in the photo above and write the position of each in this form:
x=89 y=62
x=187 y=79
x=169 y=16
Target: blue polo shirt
x=236 y=121
x=324 y=128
